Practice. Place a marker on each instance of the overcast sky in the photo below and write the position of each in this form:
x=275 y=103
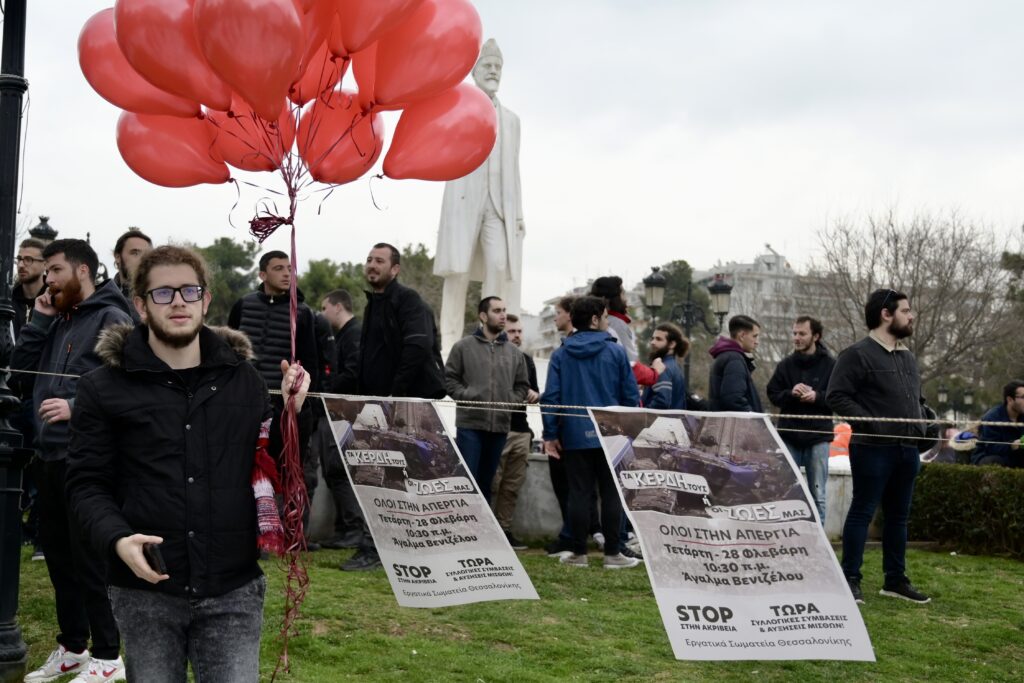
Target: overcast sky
x=651 y=131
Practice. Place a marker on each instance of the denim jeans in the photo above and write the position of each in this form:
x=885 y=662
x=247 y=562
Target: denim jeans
x=219 y=635
x=814 y=459
x=482 y=452
x=881 y=473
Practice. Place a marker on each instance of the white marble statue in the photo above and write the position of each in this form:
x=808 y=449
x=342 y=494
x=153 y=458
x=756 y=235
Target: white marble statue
x=480 y=237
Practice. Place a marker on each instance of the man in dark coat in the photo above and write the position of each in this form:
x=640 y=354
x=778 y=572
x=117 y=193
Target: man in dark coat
x=878 y=377
x=731 y=386
x=336 y=307
x=399 y=352
x=166 y=437
x=798 y=387
x=59 y=341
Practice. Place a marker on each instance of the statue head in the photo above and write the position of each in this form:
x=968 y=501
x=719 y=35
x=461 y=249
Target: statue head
x=487 y=72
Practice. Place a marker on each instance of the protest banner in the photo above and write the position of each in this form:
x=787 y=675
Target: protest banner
x=437 y=537
x=739 y=564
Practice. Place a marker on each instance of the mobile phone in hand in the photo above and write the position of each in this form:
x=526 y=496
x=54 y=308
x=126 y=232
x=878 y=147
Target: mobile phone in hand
x=154 y=557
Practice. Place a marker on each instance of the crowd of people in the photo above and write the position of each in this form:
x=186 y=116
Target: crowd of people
x=156 y=435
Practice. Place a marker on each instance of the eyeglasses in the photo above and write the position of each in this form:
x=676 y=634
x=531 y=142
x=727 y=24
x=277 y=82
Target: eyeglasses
x=165 y=295
x=28 y=260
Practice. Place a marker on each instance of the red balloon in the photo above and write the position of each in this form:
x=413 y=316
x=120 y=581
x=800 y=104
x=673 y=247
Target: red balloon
x=110 y=74
x=158 y=39
x=444 y=137
x=430 y=51
x=255 y=46
x=364 y=68
x=338 y=141
x=363 y=21
x=317 y=23
x=246 y=141
x=169 y=151
x=334 y=43
x=322 y=74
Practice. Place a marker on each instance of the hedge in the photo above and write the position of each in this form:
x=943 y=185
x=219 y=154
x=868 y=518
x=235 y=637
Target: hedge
x=979 y=510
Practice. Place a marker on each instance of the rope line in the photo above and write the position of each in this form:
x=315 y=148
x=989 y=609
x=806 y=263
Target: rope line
x=507 y=407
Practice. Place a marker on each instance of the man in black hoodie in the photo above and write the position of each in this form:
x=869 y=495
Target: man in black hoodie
x=878 y=377
x=731 y=385
x=59 y=340
x=798 y=387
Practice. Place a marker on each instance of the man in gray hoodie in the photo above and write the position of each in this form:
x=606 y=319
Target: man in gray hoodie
x=59 y=341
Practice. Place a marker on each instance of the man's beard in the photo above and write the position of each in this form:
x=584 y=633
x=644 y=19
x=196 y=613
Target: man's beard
x=67 y=297
x=657 y=353
x=493 y=329
x=29 y=281
x=176 y=338
x=901 y=331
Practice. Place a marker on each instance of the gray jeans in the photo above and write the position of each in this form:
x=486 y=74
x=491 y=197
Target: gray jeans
x=220 y=636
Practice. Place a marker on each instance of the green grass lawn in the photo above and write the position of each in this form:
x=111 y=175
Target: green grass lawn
x=596 y=625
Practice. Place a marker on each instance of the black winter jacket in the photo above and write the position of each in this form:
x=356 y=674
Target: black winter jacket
x=265 y=319
x=731 y=385
x=814 y=371
x=63 y=345
x=400 y=350
x=151 y=455
x=871 y=381
x=344 y=376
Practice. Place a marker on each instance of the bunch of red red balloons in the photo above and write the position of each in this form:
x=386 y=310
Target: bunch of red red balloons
x=210 y=83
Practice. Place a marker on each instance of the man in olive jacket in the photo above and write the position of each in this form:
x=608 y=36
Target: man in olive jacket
x=878 y=377
x=485 y=367
x=164 y=441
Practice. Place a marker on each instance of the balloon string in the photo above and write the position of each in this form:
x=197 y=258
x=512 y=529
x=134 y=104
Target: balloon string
x=296 y=497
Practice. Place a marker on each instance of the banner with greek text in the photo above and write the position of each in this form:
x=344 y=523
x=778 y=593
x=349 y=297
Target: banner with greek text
x=738 y=561
x=437 y=537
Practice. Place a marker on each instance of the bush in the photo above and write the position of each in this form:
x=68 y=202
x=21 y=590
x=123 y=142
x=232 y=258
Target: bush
x=979 y=510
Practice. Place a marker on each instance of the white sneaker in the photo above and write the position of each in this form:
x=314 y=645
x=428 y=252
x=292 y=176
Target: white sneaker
x=619 y=561
x=599 y=540
x=61 y=662
x=101 y=671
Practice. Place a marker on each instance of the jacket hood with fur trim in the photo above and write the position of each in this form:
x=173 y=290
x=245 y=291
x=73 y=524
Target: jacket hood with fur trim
x=110 y=346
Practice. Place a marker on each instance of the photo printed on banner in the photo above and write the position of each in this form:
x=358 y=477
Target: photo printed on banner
x=739 y=563
x=436 y=535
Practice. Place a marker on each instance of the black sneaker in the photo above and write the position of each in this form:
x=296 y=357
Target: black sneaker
x=344 y=541
x=362 y=561
x=515 y=542
x=626 y=552
x=905 y=591
x=312 y=547
x=858 y=596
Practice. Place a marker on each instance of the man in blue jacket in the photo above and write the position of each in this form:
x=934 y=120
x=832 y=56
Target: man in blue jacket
x=589 y=369
x=731 y=386
x=669 y=346
x=1002 y=445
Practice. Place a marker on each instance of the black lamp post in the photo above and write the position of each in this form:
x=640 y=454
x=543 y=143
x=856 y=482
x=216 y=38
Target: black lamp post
x=688 y=313
x=12 y=455
x=962 y=405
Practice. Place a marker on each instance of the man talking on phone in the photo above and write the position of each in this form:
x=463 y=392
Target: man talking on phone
x=169 y=477
x=57 y=343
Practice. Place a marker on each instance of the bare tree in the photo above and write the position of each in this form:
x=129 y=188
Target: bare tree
x=949 y=267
